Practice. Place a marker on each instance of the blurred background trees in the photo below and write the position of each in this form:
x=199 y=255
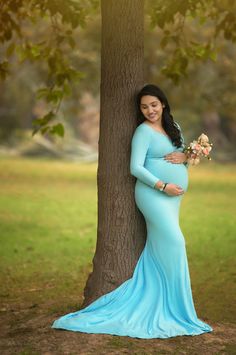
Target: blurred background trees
x=51 y=50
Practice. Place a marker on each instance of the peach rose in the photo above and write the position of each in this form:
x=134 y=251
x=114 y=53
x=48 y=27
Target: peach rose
x=203 y=139
x=207 y=150
x=196 y=147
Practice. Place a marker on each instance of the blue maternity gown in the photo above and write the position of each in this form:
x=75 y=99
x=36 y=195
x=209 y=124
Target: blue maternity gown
x=156 y=302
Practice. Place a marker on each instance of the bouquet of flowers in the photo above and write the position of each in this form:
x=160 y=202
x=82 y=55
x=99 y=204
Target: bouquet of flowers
x=197 y=149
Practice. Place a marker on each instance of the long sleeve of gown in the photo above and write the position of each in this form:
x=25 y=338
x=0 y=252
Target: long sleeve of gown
x=139 y=147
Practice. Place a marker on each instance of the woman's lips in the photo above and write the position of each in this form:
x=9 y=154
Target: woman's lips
x=152 y=115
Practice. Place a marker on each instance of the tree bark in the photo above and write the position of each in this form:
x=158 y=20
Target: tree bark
x=121 y=229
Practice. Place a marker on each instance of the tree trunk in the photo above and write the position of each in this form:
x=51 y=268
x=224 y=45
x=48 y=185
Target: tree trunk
x=121 y=229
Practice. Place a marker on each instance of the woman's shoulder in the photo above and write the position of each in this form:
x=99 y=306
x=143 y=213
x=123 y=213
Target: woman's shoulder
x=142 y=134
x=144 y=128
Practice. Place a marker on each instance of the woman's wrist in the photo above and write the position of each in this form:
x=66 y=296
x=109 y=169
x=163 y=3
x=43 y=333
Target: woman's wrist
x=161 y=185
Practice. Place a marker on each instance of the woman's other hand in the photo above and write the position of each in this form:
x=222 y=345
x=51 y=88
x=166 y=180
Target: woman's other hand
x=173 y=190
x=176 y=157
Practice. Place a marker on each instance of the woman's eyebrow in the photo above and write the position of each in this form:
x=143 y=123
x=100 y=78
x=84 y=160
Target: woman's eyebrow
x=150 y=103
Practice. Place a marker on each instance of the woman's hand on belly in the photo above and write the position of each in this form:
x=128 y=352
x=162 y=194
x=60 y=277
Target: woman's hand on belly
x=176 y=157
x=173 y=190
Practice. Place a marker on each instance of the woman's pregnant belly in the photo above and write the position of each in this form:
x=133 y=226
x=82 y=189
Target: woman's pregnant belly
x=168 y=172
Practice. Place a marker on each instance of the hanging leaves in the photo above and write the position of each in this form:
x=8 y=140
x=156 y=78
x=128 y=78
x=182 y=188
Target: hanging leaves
x=174 y=17
x=61 y=18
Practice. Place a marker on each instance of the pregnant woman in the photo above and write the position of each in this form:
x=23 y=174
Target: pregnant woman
x=156 y=302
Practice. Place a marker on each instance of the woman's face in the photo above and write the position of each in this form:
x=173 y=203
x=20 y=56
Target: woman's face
x=152 y=108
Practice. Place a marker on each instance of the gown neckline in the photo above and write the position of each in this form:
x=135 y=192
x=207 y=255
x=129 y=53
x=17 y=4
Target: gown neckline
x=165 y=135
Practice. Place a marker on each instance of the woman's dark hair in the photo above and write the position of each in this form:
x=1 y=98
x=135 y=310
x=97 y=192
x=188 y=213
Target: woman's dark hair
x=168 y=123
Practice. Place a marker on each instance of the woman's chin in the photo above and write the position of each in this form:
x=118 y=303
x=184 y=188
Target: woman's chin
x=153 y=120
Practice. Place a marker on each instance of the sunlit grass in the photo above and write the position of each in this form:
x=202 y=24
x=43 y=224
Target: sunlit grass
x=48 y=219
x=208 y=223
x=48 y=228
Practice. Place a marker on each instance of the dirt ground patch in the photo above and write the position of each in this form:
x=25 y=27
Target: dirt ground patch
x=27 y=331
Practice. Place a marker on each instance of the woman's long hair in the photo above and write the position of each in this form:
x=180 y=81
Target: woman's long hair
x=168 y=122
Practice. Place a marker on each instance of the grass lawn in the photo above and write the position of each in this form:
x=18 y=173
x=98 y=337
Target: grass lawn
x=48 y=219
x=48 y=229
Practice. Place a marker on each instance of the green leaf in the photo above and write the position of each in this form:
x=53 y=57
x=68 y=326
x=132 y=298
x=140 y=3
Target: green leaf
x=58 y=129
x=42 y=93
x=55 y=96
x=42 y=121
x=21 y=52
x=67 y=89
x=4 y=69
x=35 y=51
x=200 y=51
x=35 y=130
x=10 y=49
x=213 y=55
x=45 y=129
x=50 y=95
x=61 y=78
x=164 y=42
